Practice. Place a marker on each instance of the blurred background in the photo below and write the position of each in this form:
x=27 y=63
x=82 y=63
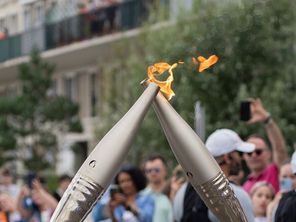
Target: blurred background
x=70 y=69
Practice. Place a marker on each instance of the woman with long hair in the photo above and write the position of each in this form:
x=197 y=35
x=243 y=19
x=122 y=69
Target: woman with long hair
x=127 y=203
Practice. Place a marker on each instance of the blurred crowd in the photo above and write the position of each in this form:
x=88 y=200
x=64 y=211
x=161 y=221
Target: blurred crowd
x=147 y=193
x=31 y=201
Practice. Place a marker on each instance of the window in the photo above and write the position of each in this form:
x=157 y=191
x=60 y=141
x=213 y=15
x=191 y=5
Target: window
x=39 y=15
x=2 y=25
x=70 y=89
x=27 y=19
x=94 y=94
x=13 y=24
x=52 y=91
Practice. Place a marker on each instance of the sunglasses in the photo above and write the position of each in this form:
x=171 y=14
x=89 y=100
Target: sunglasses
x=152 y=170
x=258 y=152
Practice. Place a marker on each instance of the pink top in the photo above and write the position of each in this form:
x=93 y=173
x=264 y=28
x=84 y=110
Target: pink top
x=269 y=174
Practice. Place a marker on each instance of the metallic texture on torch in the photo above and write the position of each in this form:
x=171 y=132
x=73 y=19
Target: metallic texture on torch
x=218 y=192
x=201 y=169
x=98 y=170
x=81 y=195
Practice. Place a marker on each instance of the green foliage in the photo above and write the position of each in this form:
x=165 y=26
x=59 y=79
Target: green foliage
x=52 y=182
x=59 y=108
x=33 y=118
x=255 y=43
x=75 y=125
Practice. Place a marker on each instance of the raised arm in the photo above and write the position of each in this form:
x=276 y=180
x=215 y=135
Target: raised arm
x=259 y=114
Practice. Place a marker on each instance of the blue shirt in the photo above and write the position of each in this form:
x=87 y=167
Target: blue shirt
x=144 y=203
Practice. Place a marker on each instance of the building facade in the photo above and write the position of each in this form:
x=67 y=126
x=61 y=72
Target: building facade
x=77 y=36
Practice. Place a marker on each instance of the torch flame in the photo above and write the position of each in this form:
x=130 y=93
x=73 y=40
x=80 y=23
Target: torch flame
x=205 y=63
x=158 y=69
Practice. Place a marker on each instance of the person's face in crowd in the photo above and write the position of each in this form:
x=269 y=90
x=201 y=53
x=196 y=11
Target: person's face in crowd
x=258 y=159
x=126 y=184
x=6 y=179
x=64 y=184
x=235 y=163
x=286 y=172
x=260 y=200
x=155 y=171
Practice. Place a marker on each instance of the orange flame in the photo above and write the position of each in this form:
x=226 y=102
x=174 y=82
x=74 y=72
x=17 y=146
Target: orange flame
x=158 y=69
x=205 y=63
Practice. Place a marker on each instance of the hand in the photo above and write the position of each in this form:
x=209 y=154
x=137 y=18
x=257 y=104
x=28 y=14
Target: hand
x=271 y=206
x=117 y=199
x=133 y=208
x=258 y=113
x=7 y=203
x=25 y=191
x=38 y=192
x=176 y=183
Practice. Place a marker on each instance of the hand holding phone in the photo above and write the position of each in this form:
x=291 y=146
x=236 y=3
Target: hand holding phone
x=113 y=190
x=29 y=180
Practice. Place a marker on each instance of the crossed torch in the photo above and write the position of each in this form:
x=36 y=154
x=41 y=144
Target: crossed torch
x=98 y=170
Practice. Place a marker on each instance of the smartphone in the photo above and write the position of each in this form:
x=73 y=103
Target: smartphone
x=245 y=110
x=113 y=190
x=286 y=184
x=29 y=179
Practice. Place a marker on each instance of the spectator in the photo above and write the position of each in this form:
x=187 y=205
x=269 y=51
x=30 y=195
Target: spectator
x=258 y=161
x=34 y=203
x=128 y=204
x=155 y=170
x=225 y=145
x=64 y=182
x=7 y=185
x=287 y=183
x=287 y=178
x=262 y=194
x=3 y=34
x=178 y=184
x=174 y=184
x=111 y=11
x=8 y=208
x=286 y=208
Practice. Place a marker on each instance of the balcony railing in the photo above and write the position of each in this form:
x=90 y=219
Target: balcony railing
x=97 y=22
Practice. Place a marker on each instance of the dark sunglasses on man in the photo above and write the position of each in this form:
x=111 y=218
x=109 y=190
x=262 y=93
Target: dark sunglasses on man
x=258 y=152
x=152 y=170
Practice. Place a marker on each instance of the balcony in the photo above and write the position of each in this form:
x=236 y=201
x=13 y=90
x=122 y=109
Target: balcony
x=102 y=21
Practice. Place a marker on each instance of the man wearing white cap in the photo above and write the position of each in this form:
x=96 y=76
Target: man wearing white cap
x=225 y=145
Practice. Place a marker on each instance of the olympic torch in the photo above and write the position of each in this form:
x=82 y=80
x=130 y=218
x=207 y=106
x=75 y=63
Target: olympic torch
x=98 y=170
x=201 y=169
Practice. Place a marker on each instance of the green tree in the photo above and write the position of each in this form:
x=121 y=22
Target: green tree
x=255 y=43
x=31 y=120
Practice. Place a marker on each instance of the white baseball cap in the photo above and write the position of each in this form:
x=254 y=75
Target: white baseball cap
x=293 y=162
x=224 y=141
